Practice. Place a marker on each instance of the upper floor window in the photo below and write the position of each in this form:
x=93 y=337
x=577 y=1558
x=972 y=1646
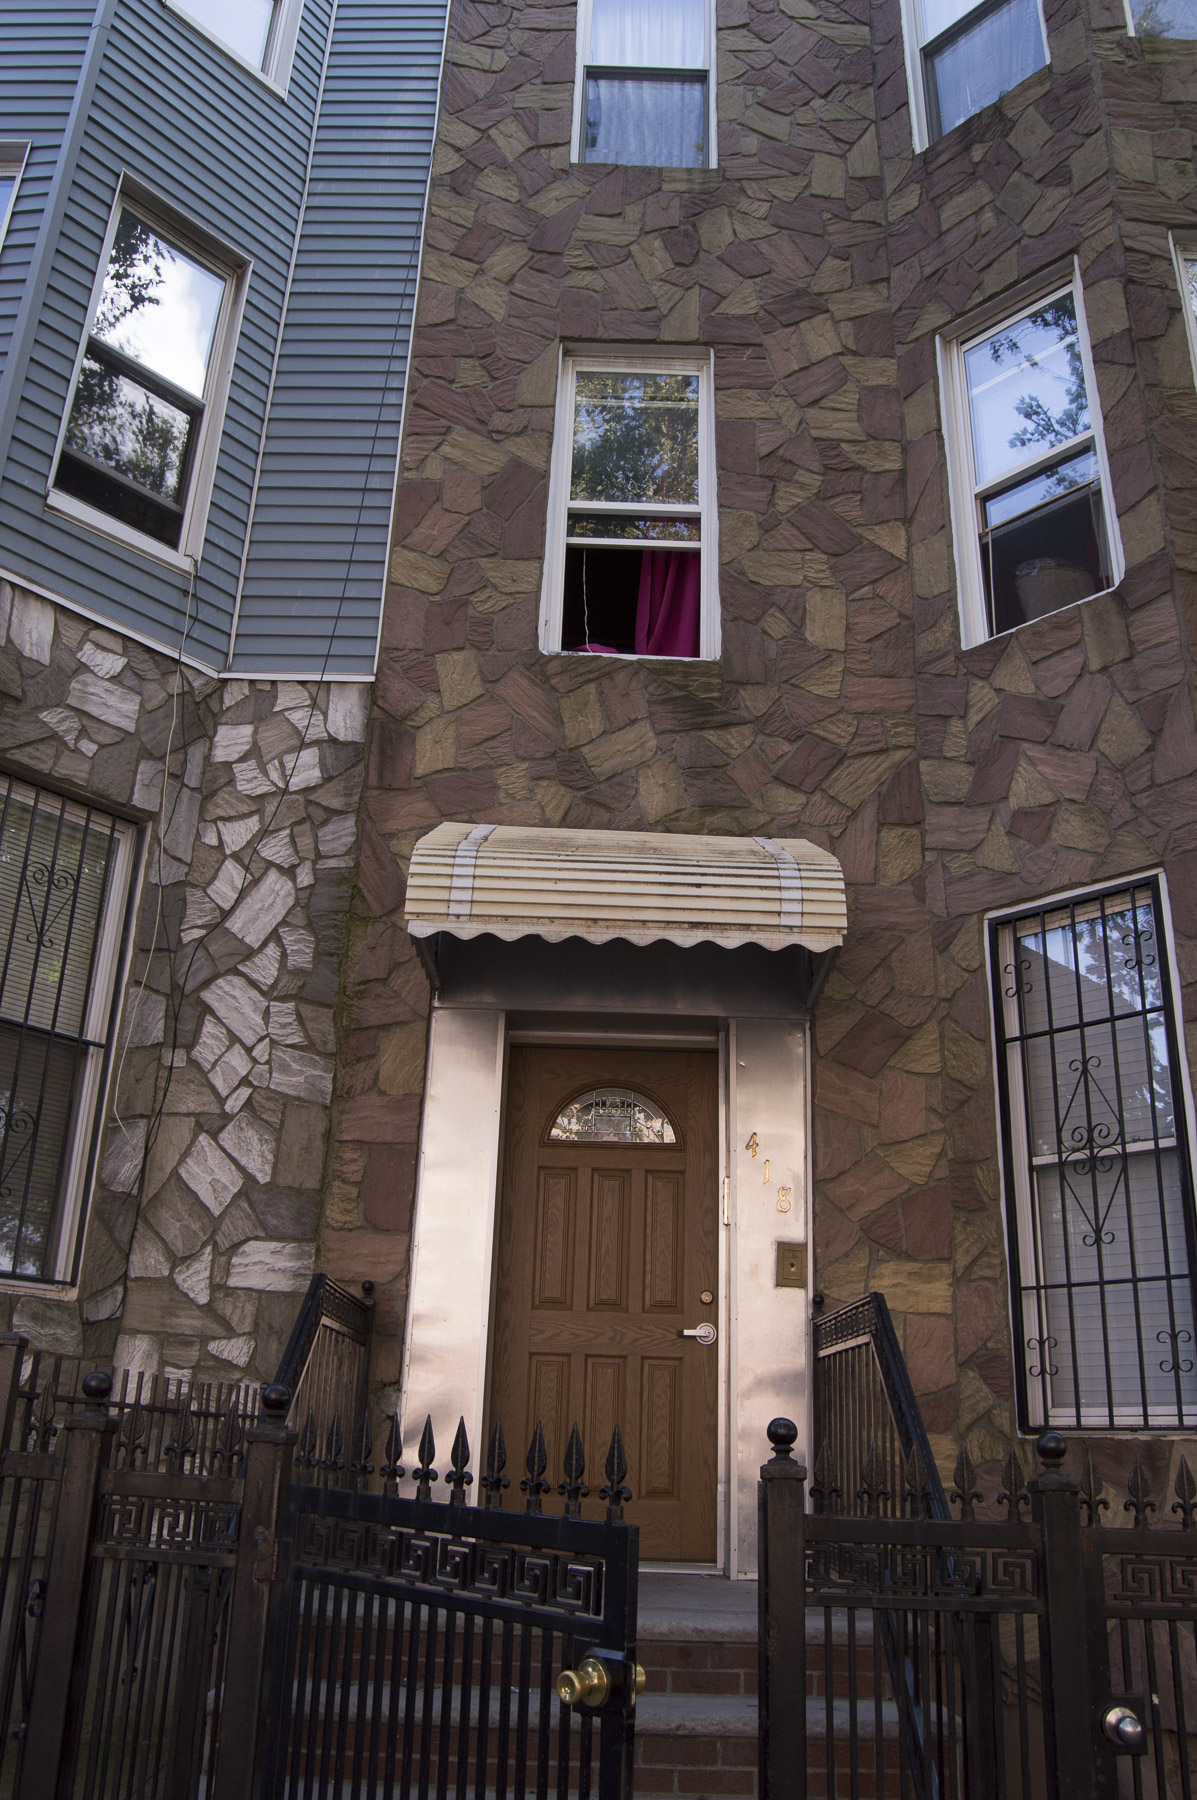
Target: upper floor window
x=630 y=560
x=1186 y=269
x=1098 y=1175
x=1029 y=483
x=149 y=385
x=12 y=166
x=644 y=83
x=261 y=33
x=64 y=883
x=962 y=57
x=1163 y=18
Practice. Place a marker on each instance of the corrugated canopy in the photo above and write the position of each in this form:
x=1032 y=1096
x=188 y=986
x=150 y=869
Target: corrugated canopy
x=517 y=881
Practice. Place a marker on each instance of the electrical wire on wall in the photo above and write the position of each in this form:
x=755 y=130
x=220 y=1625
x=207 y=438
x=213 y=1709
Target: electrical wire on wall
x=180 y=983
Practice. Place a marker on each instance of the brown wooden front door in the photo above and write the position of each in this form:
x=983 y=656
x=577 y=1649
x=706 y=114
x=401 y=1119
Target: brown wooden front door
x=608 y=1242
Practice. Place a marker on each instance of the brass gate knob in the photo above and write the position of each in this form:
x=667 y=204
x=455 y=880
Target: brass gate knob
x=587 y=1685
x=1124 y=1729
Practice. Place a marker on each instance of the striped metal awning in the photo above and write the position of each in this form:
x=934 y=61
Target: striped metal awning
x=516 y=881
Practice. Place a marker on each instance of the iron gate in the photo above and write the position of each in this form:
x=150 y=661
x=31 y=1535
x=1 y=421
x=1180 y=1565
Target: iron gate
x=418 y=1645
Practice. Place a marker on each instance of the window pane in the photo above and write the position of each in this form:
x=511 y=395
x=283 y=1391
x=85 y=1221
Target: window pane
x=635 y=437
x=1165 y=18
x=612 y=1116
x=1048 y=484
x=37 y=1083
x=670 y=34
x=55 y=866
x=126 y=427
x=158 y=306
x=7 y=184
x=1026 y=388
x=244 y=25
x=660 y=124
x=985 y=62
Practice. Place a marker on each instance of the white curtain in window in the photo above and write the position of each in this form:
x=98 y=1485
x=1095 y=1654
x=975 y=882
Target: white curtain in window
x=657 y=124
x=985 y=62
x=670 y=34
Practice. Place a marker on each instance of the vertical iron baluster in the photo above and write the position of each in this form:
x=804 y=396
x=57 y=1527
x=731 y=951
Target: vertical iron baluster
x=523 y=1697
x=428 y=1684
x=504 y=1733
x=484 y=1696
x=414 y=1634
x=448 y=1654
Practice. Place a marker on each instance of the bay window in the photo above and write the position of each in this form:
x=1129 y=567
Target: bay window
x=630 y=562
x=644 y=83
x=1099 y=1188
x=65 y=870
x=1030 y=491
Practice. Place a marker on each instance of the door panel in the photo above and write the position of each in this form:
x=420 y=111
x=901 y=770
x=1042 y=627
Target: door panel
x=604 y=1250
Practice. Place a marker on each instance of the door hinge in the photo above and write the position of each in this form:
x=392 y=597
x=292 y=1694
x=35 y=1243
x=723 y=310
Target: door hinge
x=727 y=1199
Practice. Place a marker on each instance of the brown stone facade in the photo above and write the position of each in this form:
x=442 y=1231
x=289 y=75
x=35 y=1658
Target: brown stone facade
x=818 y=263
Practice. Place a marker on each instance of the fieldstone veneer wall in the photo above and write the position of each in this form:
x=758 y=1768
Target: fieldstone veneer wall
x=203 y=1227
x=818 y=262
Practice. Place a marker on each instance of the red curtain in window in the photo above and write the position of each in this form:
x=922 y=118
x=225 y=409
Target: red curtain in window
x=667 y=612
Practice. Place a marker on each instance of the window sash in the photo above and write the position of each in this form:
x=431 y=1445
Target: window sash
x=1101 y=1221
x=65 y=873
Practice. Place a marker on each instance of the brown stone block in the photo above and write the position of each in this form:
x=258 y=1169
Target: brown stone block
x=978 y=1315
x=995 y=1370
x=378 y=1119
x=837 y=1144
x=928 y=1350
x=388 y=1188
x=865 y=1189
x=903 y=1106
x=869 y=1045
x=1069 y=772
x=847 y=1092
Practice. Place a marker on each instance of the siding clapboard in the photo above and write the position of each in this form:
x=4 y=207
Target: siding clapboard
x=316 y=559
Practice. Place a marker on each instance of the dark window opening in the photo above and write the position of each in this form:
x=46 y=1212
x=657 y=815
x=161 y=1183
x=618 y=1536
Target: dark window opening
x=1044 y=560
x=632 y=602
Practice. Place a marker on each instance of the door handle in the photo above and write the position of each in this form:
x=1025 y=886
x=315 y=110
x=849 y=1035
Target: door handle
x=705 y=1333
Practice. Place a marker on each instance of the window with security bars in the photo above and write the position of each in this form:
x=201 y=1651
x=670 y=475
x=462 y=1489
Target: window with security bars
x=1099 y=1179
x=64 y=883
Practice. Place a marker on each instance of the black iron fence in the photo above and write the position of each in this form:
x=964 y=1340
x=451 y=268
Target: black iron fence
x=182 y=1620
x=1043 y=1653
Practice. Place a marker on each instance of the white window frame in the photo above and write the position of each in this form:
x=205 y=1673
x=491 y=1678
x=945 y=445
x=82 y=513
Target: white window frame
x=965 y=490
x=275 y=69
x=13 y=157
x=1185 y=250
x=635 y=361
x=98 y=1032
x=585 y=15
x=235 y=274
x=1015 y=1163
x=914 y=47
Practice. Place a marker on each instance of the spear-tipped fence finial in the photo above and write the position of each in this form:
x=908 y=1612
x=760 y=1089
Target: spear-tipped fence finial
x=533 y=1484
x=1139 y=1489
x=459 y=1477
x=965 y=1491
x=573 y=1487
x=392 y=1471
x=494 y=1481
x=1186 y=1495
x=424 y=1473
x=1013 y=1495
x=615 y=1492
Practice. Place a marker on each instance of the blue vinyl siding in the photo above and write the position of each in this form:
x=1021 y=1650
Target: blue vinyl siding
x=316 y=559
x=197 y=131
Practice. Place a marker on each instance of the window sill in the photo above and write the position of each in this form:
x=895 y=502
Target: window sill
x=46 y=1287
x=630 y=656
x=259 y=75
x=997 y=637
x=93 y=520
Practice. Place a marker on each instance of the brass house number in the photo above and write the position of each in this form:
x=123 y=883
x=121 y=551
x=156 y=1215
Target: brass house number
x=783 y=1193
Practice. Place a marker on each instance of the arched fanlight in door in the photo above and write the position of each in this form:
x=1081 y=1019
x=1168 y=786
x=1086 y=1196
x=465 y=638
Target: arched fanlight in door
x=611 y=1116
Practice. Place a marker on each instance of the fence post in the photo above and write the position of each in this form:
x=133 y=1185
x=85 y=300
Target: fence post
x=55 y=1674
x=1074 y=1772
x=781 y=1598
x=11 y=1347
x=242 y=1718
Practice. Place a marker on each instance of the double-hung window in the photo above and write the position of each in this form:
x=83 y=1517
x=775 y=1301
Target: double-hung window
x=64 y=884
x=961 y=57
x=150 y=384
x=630 y=563
x=1032 y=520
x=260 y=33
x=644 y=83
x=1099 y=1184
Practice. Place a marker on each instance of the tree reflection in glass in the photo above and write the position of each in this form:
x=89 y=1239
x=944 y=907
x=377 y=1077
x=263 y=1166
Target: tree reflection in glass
x=635 y=438
x=1026 y=388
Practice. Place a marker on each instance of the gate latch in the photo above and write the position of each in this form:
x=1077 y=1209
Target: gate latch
x=1122 y=1725
x=601 y=1676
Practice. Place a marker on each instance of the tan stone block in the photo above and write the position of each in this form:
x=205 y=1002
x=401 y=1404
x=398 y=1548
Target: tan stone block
x=738 y=532
x=1122 y=736
x=301 y=1147
x=980 y=703
x=946 y=781
x=901 y=854
x=519 y=577
x=1142 y=530
x=932 y=563
x=742 y=302
x=581 y=716
x=410 y=568
x=458 y=678
x=1080 y=827
x=995 y=850
x=968 y=945
x=538 y=382
x=891 y=538
x=660 y=788
x=454 y=271
x=682 y=320
x=170 y=1144
x=513 y=783
x=401 y=1059
x=774 y=568
x=917 y=1158
x=776 y=625
x=1104 y=626
x=499 y=182
x=859 y=776
x=833 y=274
x=715 y=229
x=491 y=297
x=511 y=138
x=826 y=618
x=916 y=1287
x=920 y=1054
x=341 y=1209
x=789 y=494
x=621 y=750
x=967 y=1059
x=469 y=451
x=1105 y=310
x=436 y=745
x=555 y=800
x=1127 y=851
x=846 y=1278
x=1013 y=673
x=820 y=337
x=975 y=1399
x=1028 y=788
x=838 y=416
x=1132 y=159
x=825 y=679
